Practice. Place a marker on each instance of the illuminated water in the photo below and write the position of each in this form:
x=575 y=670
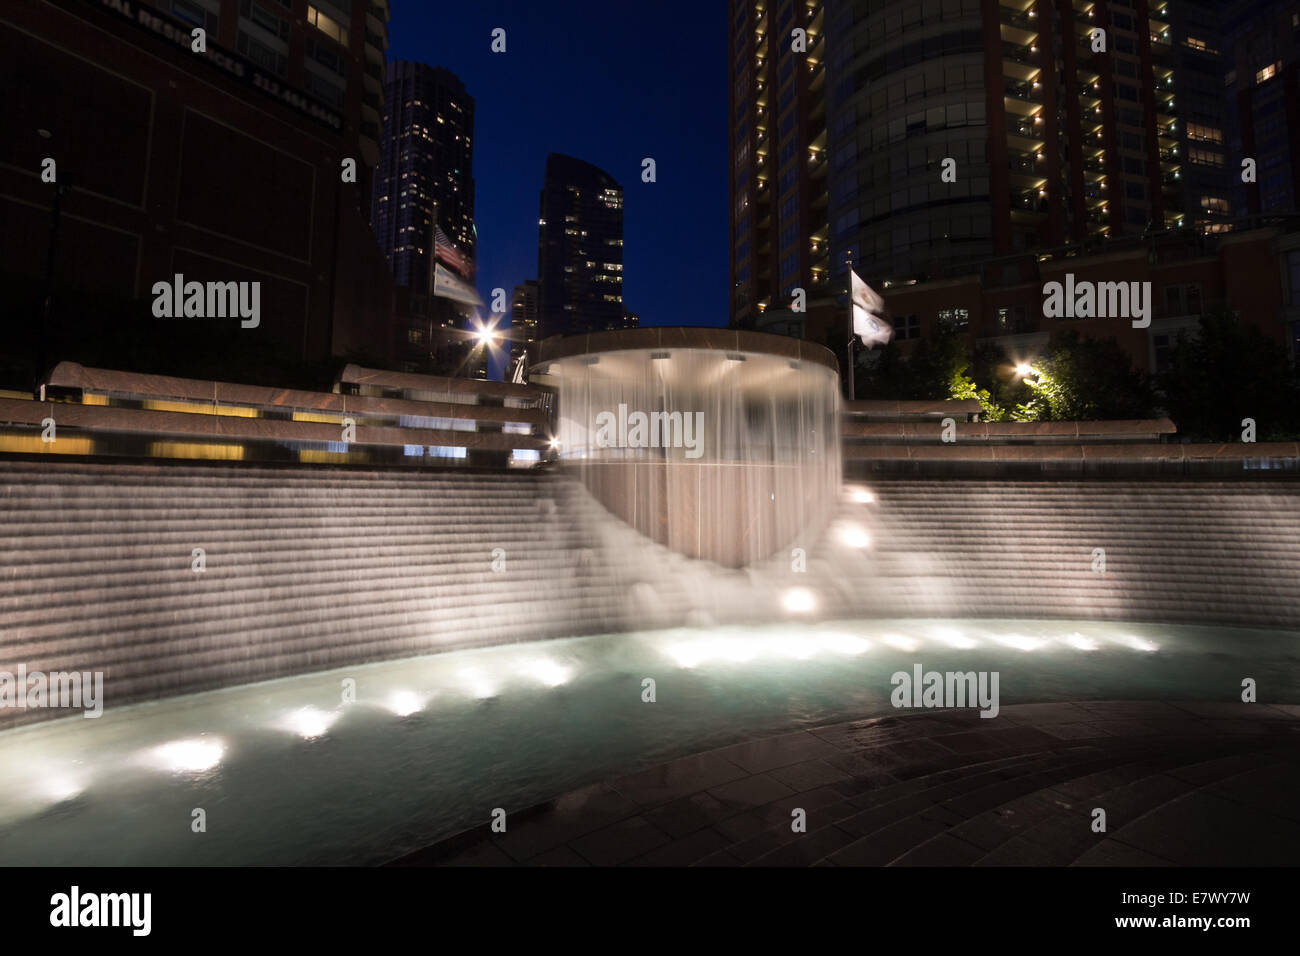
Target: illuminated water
x=287 y=774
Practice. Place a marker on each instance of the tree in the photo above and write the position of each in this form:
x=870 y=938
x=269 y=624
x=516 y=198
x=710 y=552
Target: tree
x=1086 y=379
x=1228 y=372
x=928 y=372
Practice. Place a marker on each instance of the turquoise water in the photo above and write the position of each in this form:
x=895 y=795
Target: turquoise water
x=287 y=773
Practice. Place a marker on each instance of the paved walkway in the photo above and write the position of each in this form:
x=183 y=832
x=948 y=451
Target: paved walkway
x=1181 y=783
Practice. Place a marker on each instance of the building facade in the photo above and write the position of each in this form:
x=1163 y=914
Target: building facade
x=1263 y=51
x=225 y=165
x=424 y=194
x=1190 y=273
x=425 y=175
x=778 y=172
x=579 y=248
x=525 y=323
x=940 y=133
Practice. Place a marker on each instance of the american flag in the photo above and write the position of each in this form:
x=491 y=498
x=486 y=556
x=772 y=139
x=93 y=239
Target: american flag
x=448 y=253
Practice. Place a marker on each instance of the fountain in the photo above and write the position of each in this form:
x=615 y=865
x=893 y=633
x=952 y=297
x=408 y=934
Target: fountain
x=722 y=445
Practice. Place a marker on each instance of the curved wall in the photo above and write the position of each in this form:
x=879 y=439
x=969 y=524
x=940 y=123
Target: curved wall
x=723 y=446
x=314 y=567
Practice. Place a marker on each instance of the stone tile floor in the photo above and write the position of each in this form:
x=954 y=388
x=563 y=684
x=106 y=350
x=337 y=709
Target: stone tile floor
x=1184 y=784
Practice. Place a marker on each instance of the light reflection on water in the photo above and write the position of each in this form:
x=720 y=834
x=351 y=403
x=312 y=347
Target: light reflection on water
x=287 y=774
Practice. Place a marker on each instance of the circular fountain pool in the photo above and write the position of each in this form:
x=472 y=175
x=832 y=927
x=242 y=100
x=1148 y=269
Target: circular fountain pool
x=288 y=774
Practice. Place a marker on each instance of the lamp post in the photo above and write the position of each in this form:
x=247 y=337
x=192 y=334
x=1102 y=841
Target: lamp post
x=848 y=261
x=47 y=300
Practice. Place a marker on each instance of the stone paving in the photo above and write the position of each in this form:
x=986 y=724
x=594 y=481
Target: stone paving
x=1182 y=784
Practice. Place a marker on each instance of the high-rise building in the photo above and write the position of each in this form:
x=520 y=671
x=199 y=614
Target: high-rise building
x=222 y=165
x=580 y=248
x=933 y=135
x=424 y=195
x=524 y=322
x=1191 y=112
x=631 y=320
x=1263 y=53
x=778 y=137
x=425 y=176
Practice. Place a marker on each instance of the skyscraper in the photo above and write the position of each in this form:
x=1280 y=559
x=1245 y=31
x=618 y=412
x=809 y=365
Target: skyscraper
x=524 y=322
x=920 y=138
x=580 y=248
x=423 y=211
x=778 y=137
x=1263 y=50
x=425 y=176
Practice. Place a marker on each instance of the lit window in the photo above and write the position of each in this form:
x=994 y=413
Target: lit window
x=327 y=26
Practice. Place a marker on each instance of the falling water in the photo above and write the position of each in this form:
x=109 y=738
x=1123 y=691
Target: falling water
x=723 y=455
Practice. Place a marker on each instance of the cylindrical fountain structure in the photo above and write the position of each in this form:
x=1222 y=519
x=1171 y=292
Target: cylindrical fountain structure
x=721 y=444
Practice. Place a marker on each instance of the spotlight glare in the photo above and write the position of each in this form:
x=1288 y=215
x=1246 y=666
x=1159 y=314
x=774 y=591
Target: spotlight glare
x=845 y=643
x=404 y=702
x=799 y=601
x=900 y=641
x=59 y=787
x=854 y=537
x=1138 y=643
x=308 y=722
x=476 y=684
x=1019 y=641
x=546 y=672
x=799 y=648
x=188 y=756
x=953 y=638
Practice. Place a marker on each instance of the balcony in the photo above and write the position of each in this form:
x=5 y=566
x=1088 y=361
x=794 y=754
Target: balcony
x=1021 y=19
x=1023 y=177
x=1019 y=53
x=1025 y=128
x=1024 y=92
x=1030 y=204
x=1025 y=165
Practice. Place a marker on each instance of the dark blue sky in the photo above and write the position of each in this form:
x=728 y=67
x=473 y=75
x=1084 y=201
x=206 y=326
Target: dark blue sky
x=610 y=83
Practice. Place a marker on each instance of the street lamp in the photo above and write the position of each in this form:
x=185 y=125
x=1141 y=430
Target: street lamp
x=61 y=186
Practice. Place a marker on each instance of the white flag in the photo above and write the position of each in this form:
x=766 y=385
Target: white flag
x=447 y=284
x=868 y=313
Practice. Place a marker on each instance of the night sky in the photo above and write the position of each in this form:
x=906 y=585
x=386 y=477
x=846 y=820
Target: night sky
x=609 y=83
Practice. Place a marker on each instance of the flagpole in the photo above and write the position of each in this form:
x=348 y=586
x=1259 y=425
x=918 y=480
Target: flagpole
x=848 y=261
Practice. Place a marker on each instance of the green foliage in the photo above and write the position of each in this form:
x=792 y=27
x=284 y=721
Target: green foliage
x=1230 y=371
x=1079 y=379
x=1085 y=379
